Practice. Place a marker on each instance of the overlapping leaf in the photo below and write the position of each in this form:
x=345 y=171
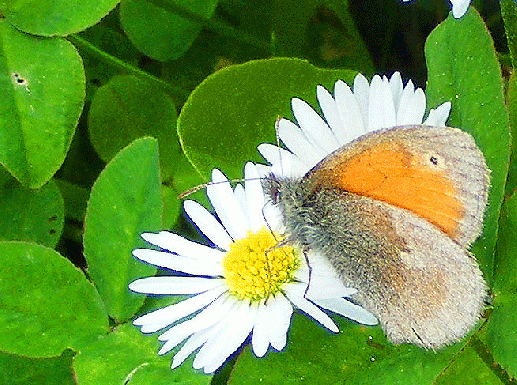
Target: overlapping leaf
x=46 y=304
x=125 y=201
x=128 y=356
x=502 y=333
x=128 y=108
x=158 y=31
x=463 y=69
x=235 y=109
x=55 y=17
x=31 y=215
x=42 y=86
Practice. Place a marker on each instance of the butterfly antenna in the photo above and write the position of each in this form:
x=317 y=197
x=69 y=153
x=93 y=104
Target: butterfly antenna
x=194 y=189
x=269 y=278
x=267 y=252
x=310 y=274
x=281 y=243
x=277 y=135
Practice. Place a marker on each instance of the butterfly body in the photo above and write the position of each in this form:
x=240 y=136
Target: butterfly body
x=395 y=212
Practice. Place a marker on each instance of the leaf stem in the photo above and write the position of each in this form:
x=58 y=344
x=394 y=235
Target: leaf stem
x=509 y=14
x=175 y=91
x=213 y=25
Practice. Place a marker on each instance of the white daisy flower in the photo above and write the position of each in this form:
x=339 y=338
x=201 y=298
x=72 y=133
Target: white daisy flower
x=245 y=284
x=459 y=7
x=348 y=114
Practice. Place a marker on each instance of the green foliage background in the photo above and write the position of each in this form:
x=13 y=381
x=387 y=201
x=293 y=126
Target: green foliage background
x=109 y=109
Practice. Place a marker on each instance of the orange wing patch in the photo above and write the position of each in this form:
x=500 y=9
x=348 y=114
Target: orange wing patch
x=389 y=172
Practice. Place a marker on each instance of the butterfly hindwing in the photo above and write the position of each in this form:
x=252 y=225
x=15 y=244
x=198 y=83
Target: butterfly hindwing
x=422 y=286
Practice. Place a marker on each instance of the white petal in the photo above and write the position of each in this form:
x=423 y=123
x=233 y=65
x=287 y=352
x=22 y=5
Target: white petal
x=296 y=142
x=320 y=265
x=207 y=224
x=348 y=309
x=211 y=315
x=381 y=107
x=295 y=293
x=240 y=195
x=262 y=169
x=459 y=7
x=271 y=325
x=192 y=343
x=174 y=285
x=350 y=113
x=254 y=197
x=324 y=280
x=277 y=156
x=161 y=318
x=330 y=111
x=273 y=217
x=302 y=274
x=178 y=262
x=226 y=205
x=362 y=95
x=397 y=88
x=323 y=287
x=313 y=126
x=284 y=168
x=412 y=106
x=271 y=153
x=208 y=335
x=260 y=334
x=279 y=311
x=219 y=347
x=437 y=117
x=181 y=246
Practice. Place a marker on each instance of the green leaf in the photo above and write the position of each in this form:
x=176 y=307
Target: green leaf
x=253 y=17
x=82 y=165
x=219 y=45
x=357 y=355
x=55 y=17
x=511 y=100
x=502 y=336
x=171 y=207
x=157 y=31
x=463 y=69
x=31 y=215
x=19 y=370
x=75 y=198
x=469 y=367
x=108 y=41
x=128 y=108
x=509 y=14
x=46 y=304
x=323 y=31
x=125 y=201
x=235 y=109
x=42 y=87
x=128 y=356
x=185 y=177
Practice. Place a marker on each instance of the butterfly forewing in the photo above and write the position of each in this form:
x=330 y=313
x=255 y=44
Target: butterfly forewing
x=436 y=172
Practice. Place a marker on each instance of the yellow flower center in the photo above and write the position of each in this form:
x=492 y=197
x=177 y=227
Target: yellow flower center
x=255 y=268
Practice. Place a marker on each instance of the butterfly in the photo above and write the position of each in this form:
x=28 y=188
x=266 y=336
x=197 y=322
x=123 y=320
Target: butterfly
x=395 y=212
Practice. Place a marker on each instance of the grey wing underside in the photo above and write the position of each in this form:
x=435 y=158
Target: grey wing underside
x=423 y=287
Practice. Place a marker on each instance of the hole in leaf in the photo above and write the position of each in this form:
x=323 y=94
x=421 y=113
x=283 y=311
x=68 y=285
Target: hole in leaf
x=19 y=79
